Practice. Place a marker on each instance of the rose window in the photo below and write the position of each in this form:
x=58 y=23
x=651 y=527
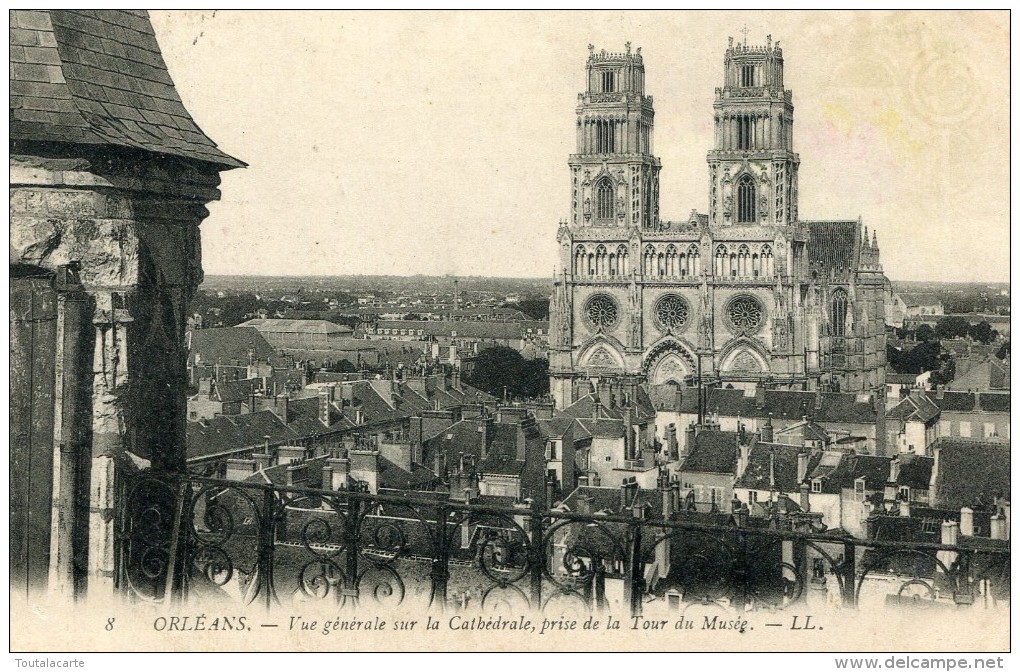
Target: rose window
x=602 y=311
x=672 y=311
x=745 y=314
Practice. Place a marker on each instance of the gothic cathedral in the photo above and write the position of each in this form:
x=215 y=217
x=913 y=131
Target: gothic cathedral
x=748 y=294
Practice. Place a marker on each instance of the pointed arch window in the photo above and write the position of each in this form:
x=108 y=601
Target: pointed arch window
x=839 y=308
x=745 y=200
x=605 y=199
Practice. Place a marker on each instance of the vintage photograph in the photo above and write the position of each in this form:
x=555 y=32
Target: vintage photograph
x=510 y=331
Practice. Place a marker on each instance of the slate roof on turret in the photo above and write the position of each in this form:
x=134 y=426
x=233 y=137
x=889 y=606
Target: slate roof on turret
x=97 y=77
x=833 y=245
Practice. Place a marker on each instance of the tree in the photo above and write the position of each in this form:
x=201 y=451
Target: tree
x=925 y=357
x=501 y=369
x=924 y=333
x=952 y=326
x=535 y=308
x=1003 y=351
x=982 y=332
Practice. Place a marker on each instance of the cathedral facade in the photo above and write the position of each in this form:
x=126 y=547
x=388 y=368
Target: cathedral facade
x=746 y=294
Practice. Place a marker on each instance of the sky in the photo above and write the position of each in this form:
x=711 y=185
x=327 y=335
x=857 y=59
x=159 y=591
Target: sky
x=436 y=143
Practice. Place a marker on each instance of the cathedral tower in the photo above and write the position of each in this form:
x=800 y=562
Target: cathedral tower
x=615 y=177
x=746 y=295
x=753 y=168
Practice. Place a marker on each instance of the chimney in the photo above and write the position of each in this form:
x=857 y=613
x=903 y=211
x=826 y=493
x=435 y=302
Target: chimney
x=550 y=490
x=767 y=434
x=325 y=400
x=759 y=396
x=365 y=468
x=297 y=474
x=894 y=469
x=484 y=430
x=818 y=399
x=359 y=417
x=205 y=386
x=742 y=459
x=805 y=497
x=340 y=469
x=583 y=504
x=940 y=391
x=692 y=433
x=998 y=527
x=967 y=521
x=238 y=470
x=802 y=461
x=950 y=533
x=262 y=461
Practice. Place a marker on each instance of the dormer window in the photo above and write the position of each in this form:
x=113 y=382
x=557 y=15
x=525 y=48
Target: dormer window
x=859 y=491
x=816 y=485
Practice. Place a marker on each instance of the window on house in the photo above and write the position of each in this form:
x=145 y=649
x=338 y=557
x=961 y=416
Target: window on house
x=931 y=525
x=752 y=497
x=816 y=485
x=989 y=429
x=859 y=490
x=817 y=568
x=193 y=414
x=905 y=494
x=964 y=428
x=745 y=200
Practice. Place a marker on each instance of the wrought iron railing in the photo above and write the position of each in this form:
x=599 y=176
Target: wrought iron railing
x=191 y=538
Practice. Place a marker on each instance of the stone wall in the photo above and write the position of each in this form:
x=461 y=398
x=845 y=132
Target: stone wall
x=127 y=222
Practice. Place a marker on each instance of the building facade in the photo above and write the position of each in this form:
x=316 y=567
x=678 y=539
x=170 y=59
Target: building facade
x=745 y=294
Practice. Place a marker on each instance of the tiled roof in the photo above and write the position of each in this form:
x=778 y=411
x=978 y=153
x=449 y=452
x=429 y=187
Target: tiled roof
x=555 y=427
x=228 y=345
x=603 y=429
x=97 y=77
x=501 y=457
x=757 y=474
x=970 y=472
x=273 y=326
x=872 y=468
x=833 y=245
x=914 y=407
x=919 y=299
x=229 y=434
x=445 y=328
x=713 y=452
x=791 y=405
x=915 y=471
x=805 y=430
